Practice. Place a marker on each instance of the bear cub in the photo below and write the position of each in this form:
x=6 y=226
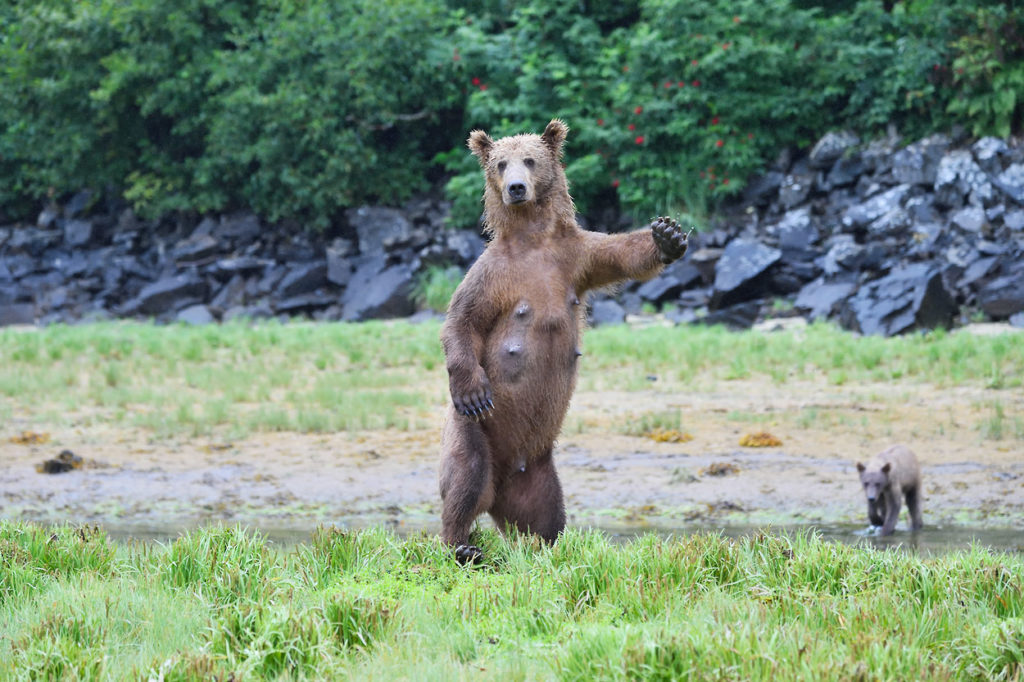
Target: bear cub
x=512 y=336
x=890 y=477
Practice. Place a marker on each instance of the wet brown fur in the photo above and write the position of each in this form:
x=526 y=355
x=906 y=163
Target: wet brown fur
x=890 y=478
x=513 y=327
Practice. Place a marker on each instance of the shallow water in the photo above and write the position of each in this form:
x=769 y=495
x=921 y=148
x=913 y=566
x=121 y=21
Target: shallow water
x=929 y=541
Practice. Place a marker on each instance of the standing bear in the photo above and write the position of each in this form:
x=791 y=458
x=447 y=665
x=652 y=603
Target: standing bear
x=890 y=477
x=511 y=337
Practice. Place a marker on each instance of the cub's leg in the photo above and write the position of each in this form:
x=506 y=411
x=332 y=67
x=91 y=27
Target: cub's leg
x=531 y=500
x=913 y=496
x=893 y=503
x=467 y=487
x=876 y=512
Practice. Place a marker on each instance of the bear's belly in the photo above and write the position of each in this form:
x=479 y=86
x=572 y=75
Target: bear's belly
x=539 y=347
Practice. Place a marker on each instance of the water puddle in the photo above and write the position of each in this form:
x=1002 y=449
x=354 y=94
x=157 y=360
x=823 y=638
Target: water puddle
x=927 y=542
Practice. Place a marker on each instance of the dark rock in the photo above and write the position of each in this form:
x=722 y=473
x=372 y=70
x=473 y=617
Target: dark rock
x=845 y=171
x=1011 y=182
x=304 y=303
x=705 y=260
x=844 y=254
x=795 y=229
x=738 y=316
x=379 y=228
x=821 y=298
x=229 y=267
x=239 y=227
x=17 y=313
x=77 y=232
x=738 y=269
x=167 y=295
x=861 y=215
x=670 y=282
x=48 y=217
x=892 y=223
x=230 y=295
x=196 y=249
x=1003 y=296
x=976 y=271
x=1014 y=220
x=908 y=298
x=377 y=291
x=970 y=219
x=762 y=189
x=918 y=163
x=606 y=311
x=302 y=279
x=339 y=269
x=988 y=152
x=1017 y=320
x=197 y=314
x=794 y=190
x=829 y=148
x=957 y=178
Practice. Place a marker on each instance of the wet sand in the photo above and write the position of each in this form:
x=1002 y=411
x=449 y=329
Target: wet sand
x=611 y=479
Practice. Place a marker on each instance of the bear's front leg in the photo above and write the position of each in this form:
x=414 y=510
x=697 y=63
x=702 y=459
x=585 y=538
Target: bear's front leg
x=670 y=239
x=471 y=393
x=893 y=502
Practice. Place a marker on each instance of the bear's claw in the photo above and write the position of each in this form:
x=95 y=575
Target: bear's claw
x=469 y=554
x=669 y=238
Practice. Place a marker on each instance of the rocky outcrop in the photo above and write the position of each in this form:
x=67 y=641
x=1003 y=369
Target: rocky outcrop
x=879 y=237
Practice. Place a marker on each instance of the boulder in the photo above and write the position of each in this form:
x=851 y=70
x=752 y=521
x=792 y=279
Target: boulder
x=303 y=278
x=17 y=313
x=736 y=272
x=378 y=291
x=195 y=314
x=167 y=295
x=1011 y=182
x=379 y=228
x=821 y=298
x=78 y=233
x=1003 y=296
x=918 y=163
x=957 y=178
x=606 y=311
x=831 y=147
x=908 y=298
x=859 y=216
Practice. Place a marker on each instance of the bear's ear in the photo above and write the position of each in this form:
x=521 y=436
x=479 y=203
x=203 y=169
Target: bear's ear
x=554 y=135
x=886 y=468
x=861 y=467
x=480 y=143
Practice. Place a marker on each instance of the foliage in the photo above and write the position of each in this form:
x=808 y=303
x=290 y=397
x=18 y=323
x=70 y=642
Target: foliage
x=301 y=108
x=785 y=606
x=435 y=285
x=291 y=108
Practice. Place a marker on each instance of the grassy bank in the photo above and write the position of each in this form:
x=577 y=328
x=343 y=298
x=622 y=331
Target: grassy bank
x=220 y=602
x=234 y=379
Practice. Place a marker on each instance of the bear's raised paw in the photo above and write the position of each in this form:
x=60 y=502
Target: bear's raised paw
x=670 y=238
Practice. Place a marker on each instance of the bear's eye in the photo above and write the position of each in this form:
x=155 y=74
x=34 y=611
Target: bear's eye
x=528 y=163
x=502 y=165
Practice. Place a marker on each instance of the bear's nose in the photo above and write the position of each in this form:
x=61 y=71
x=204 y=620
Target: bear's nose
x=517 y=191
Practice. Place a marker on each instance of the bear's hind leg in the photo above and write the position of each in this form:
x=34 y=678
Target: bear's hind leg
x=913 y=496
x=531 y=500
x=467 y=487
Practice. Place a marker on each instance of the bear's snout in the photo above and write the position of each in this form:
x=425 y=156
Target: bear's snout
x=517 y=191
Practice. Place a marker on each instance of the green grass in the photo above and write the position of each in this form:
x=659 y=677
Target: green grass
x=220 y=602
x=235 y=379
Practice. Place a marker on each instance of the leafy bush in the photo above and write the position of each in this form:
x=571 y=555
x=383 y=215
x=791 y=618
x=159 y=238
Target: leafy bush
x=300 y=108
x=296 y=109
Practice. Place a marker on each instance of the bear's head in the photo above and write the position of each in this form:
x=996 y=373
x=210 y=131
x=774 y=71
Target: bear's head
x=874 y=482
x=523 y=172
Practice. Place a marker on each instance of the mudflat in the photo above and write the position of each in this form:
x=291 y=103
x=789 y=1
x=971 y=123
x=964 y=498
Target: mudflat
x=970 y=445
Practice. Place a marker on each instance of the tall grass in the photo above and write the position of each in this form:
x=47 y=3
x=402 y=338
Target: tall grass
x=237 y=378
x=220 y=602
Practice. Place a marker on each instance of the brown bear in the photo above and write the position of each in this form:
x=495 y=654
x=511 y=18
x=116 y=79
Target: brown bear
x=512 y=333
x=892 y=476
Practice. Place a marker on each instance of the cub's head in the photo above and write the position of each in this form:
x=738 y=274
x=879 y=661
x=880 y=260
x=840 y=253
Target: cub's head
x=522 y=170
x=874 y=482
